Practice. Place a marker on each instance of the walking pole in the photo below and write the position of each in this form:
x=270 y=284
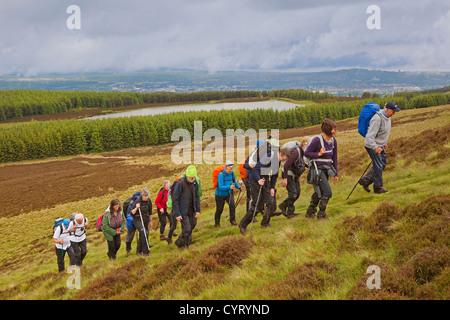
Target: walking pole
x=143 y=227
x=256 y=207
x=359 y=179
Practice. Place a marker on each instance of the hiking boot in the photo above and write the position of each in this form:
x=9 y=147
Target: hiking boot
x=175 y=234
x=322 y=215
x=365 y=186
x=242 y=229
x=169 y=240
x=234 y=223
x=381 y=190
x=292 y=215
x=283 y=209
x=254 y=220
x=162 y=237
x=311 y=212
x=276 y=213
x=217 y=225
x=267 y=225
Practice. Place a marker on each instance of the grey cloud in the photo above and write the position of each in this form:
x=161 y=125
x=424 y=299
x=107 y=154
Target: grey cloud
x=221 y=35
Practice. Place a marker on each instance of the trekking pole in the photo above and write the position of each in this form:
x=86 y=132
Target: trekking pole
x=256 y=207
x=143 y=227
x=359 y=179
x=239 y=197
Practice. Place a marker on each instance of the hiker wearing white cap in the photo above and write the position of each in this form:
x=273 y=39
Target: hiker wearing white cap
x=77 y=229
x=61 y=239
x=226 y=184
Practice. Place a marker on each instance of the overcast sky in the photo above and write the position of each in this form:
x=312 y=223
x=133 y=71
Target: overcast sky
x=222 y=35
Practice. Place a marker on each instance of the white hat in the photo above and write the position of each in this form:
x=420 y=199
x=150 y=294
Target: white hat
x=228 y=163
x=79 y=216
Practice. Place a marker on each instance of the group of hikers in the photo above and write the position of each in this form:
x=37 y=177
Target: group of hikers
x=179 y=202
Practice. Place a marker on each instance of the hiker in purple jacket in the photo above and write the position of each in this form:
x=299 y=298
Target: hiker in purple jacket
x=322 y=152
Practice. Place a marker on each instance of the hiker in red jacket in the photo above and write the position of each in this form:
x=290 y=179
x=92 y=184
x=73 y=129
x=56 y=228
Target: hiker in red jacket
x=161 y=205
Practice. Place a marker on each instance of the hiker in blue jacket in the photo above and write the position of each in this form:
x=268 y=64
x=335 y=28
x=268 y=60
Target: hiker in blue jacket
x=226 y=181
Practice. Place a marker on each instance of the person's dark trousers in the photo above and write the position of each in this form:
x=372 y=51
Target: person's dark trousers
x=129 y=239
x=375 y=174
x=79 y=251
x=265 y=201
x=173 y=225
x=142 y=247
x=247 y=190
x=188 y=224
x=113 y=246
x=293 y=189
x=60 y=254
x=163 y=217
x=326 y=194
x=220 y=203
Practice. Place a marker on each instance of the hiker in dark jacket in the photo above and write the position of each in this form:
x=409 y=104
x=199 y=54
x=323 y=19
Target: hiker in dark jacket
x=292 y=170
x=142 y=207
x=186 y=206
x=112 y=226
x=161 y=206
x=323 y=154
x=263 y=177
x=375 y=143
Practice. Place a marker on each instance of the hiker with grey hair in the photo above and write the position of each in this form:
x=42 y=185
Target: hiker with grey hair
x=375 y=143
x=142 y=220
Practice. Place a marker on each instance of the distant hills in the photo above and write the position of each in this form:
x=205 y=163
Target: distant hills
x=340 y=82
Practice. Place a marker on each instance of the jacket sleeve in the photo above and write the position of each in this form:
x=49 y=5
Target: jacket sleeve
x=335 y=153
x=197 y=199
x=169 y=203
x=176 y=200
x=372 y=132
x=313 y=149
x=199 y=188
x=108 y=232
x=158 y=200
x=288 y=164
x=222 y=187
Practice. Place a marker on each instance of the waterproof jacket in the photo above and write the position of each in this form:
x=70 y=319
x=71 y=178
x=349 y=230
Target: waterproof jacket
x=169 y=198
x=184 y=194
x=108 y=231
x=263 y=167
x=224 y=181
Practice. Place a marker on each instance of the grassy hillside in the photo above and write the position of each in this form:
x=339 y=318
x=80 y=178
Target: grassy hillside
x=405 y=232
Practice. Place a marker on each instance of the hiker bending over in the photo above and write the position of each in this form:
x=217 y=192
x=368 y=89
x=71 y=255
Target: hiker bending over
x=226 y=184
x=375 y=143
x=262 y=180
x=142 y=220
x=322 y=152
x=292 y=170
x=186 y=206
x=61 y=239
x=112 y=226
x=77 y=229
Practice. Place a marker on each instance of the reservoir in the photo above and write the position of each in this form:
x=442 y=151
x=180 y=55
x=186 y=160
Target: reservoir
x=270 y=104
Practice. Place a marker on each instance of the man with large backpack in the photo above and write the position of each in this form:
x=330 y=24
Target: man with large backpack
x=263 y=177
x=291 y=172
x=226 y=184
x=375 y=143
x=186 y=206
x=61 y=239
